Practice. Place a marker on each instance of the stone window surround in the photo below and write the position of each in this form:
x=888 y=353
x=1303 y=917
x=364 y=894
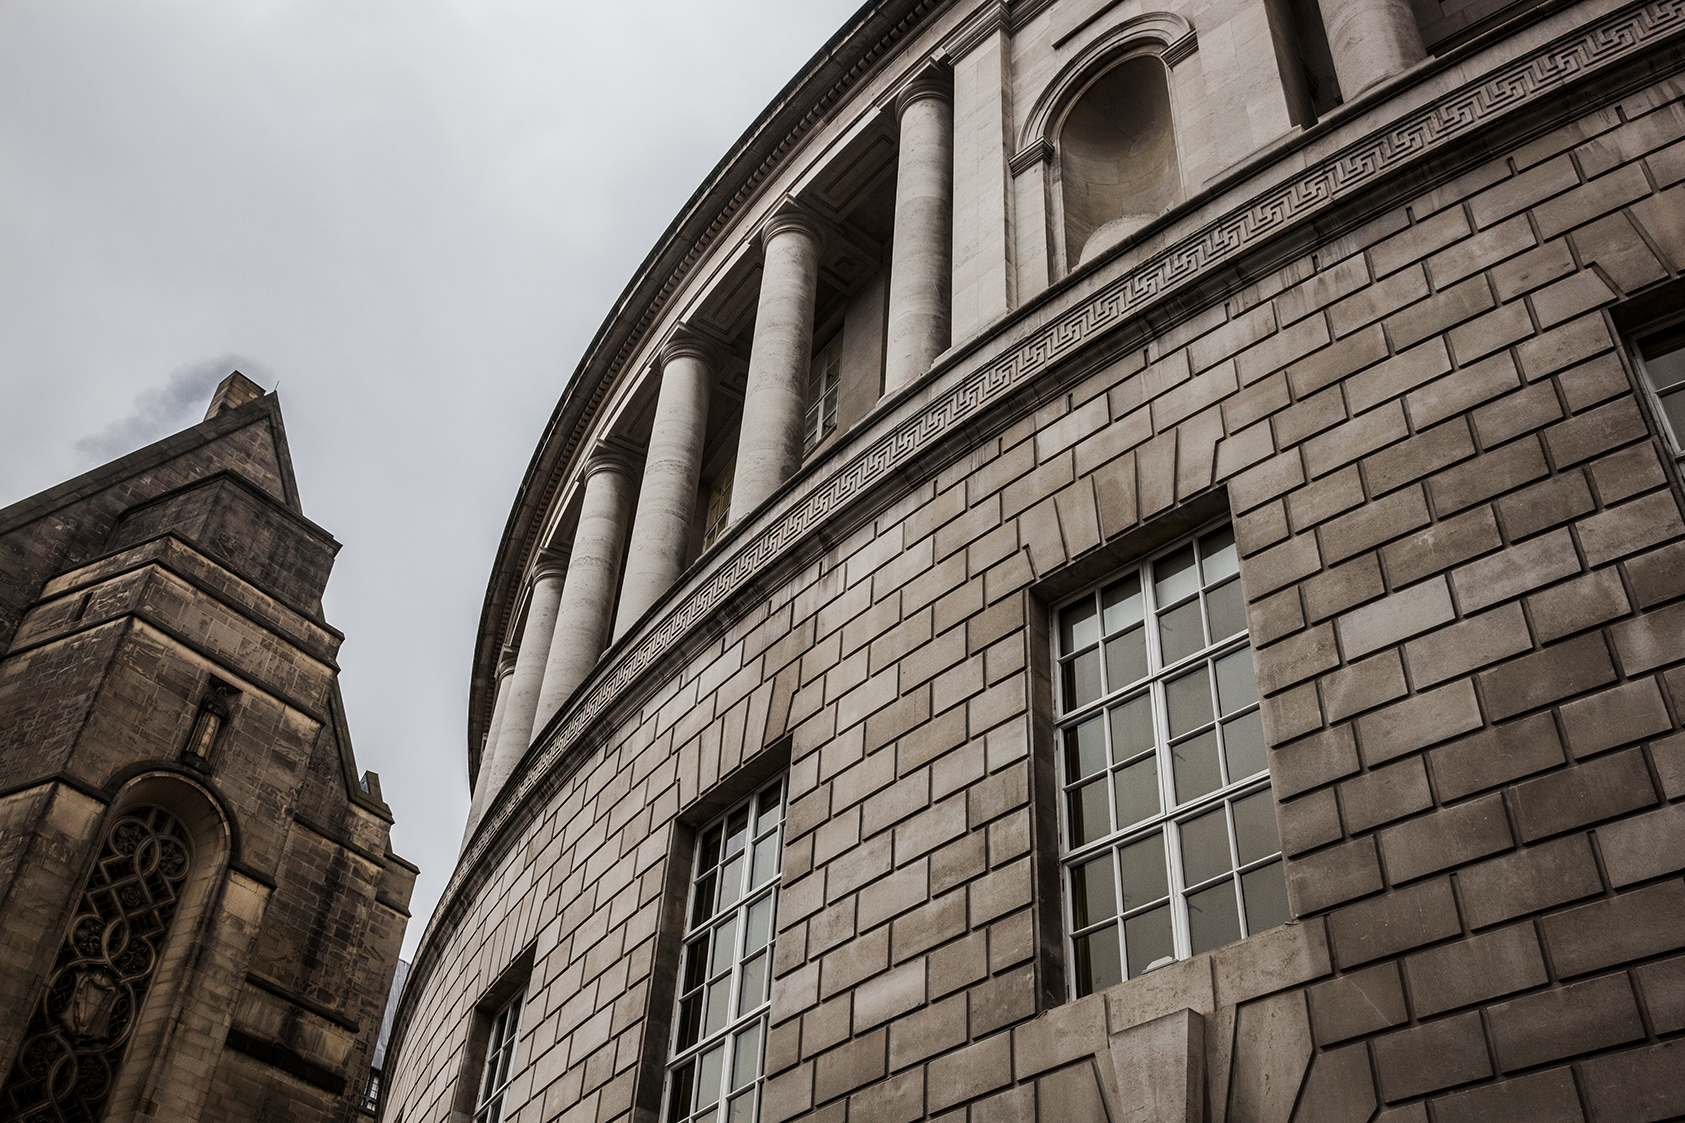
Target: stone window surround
x=498 y=1069
x=1658 y=397
x=1253 y=784
x=510 y=988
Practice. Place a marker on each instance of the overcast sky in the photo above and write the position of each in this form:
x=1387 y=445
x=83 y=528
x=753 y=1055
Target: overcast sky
x=412 y=215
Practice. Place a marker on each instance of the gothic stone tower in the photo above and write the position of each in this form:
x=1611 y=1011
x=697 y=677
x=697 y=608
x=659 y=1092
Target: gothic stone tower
x=199 y=911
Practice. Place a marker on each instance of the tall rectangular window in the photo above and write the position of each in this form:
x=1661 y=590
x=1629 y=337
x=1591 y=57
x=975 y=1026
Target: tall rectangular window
x=500 y=1063
x=824 y=384
x=725 y=976
x=1168 y=824
x=1661 y=358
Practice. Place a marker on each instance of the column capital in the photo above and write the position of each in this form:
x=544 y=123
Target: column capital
x=791 y=216
x=932 y=80
x=687 y=343
x=551 y=564
x=506 y=662
x=607 y=458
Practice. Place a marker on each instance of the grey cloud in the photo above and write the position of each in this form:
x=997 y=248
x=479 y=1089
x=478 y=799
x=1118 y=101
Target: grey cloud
x=161 y=410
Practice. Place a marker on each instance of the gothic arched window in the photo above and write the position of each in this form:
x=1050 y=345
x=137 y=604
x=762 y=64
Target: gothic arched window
x=86 y=1015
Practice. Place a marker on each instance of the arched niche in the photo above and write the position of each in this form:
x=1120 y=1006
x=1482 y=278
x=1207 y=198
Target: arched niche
x=1118 y=168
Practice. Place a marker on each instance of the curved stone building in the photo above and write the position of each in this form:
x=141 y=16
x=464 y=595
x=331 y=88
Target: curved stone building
x=1119 y=560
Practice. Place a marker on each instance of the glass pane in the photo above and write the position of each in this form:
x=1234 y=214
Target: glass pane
x=690 y=1021
x=1674 y=406
x=1254 y=827
x=1079 y=626
x=1664 y=357
x=709 y=1116
x=1266 y=898
x=1093 y=896
x=1237 y=682
x=696 y=964
x=1098 y=964
x=1219 y=559
x=1213 y=917
x=708 y=1077
x=1149 y=939
x=731 y=882
x=1082 y=679
x=1132 y=728
x=1090 y=817
x=1244 y=747
x=1174 y=576
x=1126 y=658
x=678 y=1097
x=1085 y=750
x=760 y=925
x=719 y=1007
x=1121 y=604
x=746 y=1056
x=703 y=906
x=1227 y=610
x=1205 y=847
x=771 y=806
x=1194 y=766
x=766 y=859
x=725 y=947
x=1137 y=791
x=737 y=831
x=751 y=992
x=1145 y=877
x=1189 y=701
x=742 y=1109
x=1180 y=633
x=708 y=856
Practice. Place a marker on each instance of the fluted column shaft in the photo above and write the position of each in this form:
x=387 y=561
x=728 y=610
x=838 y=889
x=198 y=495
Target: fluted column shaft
x=1371 y=41
x=667 y=496
x=500 y=706
x=518 y=696
x=775 y=398
x=921 y=271
x=583 y=618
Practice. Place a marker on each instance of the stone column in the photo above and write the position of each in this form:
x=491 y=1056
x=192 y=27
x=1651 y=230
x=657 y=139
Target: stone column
x=500 y=706
x=519 y=696
x=583 y=618
x=667 y=496
x=921 y=269
x=1371 y=40
x=775 y=399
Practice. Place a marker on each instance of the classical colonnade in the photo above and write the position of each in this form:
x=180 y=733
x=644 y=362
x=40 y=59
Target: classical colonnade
x=571 y=615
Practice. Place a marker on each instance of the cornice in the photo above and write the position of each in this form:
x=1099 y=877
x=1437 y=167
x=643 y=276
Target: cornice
x=1455 y=125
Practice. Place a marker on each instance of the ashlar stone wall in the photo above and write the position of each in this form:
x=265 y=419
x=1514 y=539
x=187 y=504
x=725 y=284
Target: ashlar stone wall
x=1464 y=558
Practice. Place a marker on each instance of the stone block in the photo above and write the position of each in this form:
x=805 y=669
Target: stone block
x=851 y=1066
x=1475 y=254
x=1638 y=1086
x=1071 y=1093
x=1559 y=671
x=1624 y=474
x=1474 y=384
x=1441 y=546
x=1592 y=382
x=1585 y=794
x=1160 y=1069
x=1367 y=527
x=1517 y=570
x=1564 y=346
x=1395 y=922
x=1468 y=645
x=1483 y=477
x=1331 y=364
x=1355 y=439
x=1474 y=970
x=959 y=964
x=1384 y=795
x=1546 y=504
x=1530 y=880
x=1614 y=717
x=1403 y=288
x=1418 y=241
x=1308 y=822
x=1445 y=838
x=1417 y=722
x=1658 y=575
x=1313 y=761
x=1651 y=640
x=1630 y=528
x=1496 y=756
x=924 y=1033
x=1324 y=498
x=1431 y=1056
x=973 y=1071
x=1663 y=987
x=1329 y=877
x=1420 y=455
x=1574 y=606
x=1296 y=659
x=1553 y=1024
x=1003 y=1000
x=1273 y=960
x=1538 y=1097
x=1594 y=432
x=1438 y=313
x=1357 y=1004
x=1337 y=589
x=1396 y=618
x=1363 y=686
x=899 y=1099
x=1519 y=192
x=1618 y=929
x=1643 y=846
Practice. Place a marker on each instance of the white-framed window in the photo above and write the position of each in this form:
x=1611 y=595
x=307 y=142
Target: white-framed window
x=725 y=971
x=500 y=1062
x=822 y=387
x=719 y=506
x=1168 y=829
x=1660 y=355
